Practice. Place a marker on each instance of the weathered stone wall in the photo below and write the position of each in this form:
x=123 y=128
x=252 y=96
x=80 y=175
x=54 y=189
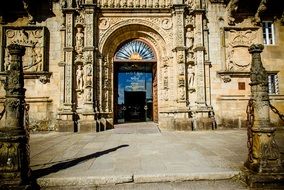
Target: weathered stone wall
x=42 y=87
x=192 y=73
x=230 y=61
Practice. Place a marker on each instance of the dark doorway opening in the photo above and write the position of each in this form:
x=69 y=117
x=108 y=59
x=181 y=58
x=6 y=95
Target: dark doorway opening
x=133 y=96
x=135 y=106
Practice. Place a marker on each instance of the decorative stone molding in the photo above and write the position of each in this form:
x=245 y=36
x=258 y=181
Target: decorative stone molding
x=134 y=4
x=33 y=38
x=151 y=23
x=237 y=40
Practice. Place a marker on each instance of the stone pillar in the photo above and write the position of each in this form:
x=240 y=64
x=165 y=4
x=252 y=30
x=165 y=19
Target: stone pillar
x=179 y=44
x=88 y=113
x=199 y=55
x=14 y=137
x=263 y=155
x=67 y=118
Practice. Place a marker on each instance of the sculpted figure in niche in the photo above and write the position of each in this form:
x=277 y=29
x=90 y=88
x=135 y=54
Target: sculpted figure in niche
x=262 y=7
x=89 y=95
x=189 y=38
x=190 y=72
x=78 y=3
x=180 y=58
x=181 y=93
x=80 y=77
x=79 y=40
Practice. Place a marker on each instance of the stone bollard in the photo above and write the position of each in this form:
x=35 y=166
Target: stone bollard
x=14 y=137
x=264 y=161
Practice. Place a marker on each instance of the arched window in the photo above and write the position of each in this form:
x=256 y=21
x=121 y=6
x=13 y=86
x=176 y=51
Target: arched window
x=135 y=50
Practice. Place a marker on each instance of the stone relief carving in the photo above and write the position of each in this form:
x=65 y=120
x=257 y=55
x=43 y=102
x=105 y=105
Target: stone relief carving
x=134 y=3
x=166 y=24
x=116 y=23
x=104 y=23
x=181 y=93
x=237 y=42
x=232 y=10
x=33 y=39
x=260 y=10
x=69 y=28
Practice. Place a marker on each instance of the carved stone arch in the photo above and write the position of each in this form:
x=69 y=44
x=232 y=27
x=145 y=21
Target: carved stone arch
x=118 y=35
x=127 y=25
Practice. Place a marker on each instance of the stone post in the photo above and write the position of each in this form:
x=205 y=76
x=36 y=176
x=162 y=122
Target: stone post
x=264 y=156
x=14 y=137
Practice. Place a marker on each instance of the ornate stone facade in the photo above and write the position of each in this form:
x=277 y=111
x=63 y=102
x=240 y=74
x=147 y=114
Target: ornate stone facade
x=200 y=49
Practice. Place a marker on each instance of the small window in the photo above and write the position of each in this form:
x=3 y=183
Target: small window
x=268 y=33
x=242 y=85
x=273 y=84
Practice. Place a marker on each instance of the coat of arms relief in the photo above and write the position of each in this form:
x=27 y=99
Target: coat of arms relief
x=33 y=38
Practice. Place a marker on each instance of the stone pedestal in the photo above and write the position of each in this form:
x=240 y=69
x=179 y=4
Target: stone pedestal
x=264 y=160
x=14 y=137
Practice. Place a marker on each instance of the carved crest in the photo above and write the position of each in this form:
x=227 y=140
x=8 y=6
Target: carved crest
x=33 y=39
x=237 y=42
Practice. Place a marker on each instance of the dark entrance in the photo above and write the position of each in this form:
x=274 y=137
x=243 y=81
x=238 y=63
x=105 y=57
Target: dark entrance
x=135 y=89
x=133 y=92
x=135 y=103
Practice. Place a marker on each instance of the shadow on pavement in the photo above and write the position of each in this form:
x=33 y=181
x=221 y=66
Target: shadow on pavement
x=69 y=163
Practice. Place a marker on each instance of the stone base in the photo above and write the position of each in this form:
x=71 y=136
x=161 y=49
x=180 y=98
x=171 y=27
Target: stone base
x=87 y=126
x=15 y=185
x=104 y=124
x=204 y=123
x=260 y=180
x=66 y=126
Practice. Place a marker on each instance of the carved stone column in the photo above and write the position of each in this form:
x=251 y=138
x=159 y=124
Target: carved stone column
x=199 y=55
x=66 y=120
x=179 y=41
x=264 y=156
x=87 y=114
x=14 y=137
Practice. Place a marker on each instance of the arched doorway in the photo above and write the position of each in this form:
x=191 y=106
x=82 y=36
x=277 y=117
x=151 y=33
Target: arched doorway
x=135 y=89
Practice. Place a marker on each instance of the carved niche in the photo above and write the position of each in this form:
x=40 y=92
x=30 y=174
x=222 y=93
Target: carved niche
x=33 y=38
x=237 y=41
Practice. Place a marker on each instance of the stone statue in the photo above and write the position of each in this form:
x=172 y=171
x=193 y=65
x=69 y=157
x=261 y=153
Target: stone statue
x=189 y=38
x=80 y=77
x=261 y=8
x=190 y=73
x=78 y=3
x=79 y=40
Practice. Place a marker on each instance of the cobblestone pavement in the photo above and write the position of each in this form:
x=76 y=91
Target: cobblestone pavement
x=138 y=153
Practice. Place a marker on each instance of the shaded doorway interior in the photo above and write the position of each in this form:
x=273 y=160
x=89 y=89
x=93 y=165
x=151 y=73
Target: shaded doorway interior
x=134 y=92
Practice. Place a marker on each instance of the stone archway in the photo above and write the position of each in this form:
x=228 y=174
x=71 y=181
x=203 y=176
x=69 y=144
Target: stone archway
x=108 y=46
